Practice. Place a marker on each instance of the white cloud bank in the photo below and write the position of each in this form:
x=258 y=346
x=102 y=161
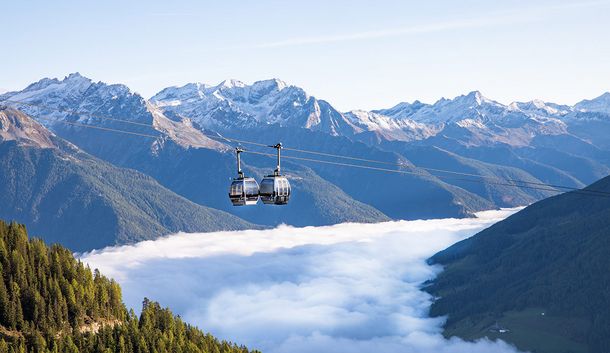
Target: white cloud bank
x=343 y=288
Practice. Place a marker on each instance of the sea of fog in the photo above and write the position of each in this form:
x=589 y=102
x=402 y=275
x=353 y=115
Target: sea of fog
x=342 y=288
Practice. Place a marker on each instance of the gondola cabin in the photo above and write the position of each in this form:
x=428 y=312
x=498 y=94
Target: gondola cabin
x=243 y=191
x=275 y=189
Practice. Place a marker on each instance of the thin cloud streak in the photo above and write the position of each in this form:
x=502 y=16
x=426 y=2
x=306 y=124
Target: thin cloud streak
x=396 y=32
x=489 y=20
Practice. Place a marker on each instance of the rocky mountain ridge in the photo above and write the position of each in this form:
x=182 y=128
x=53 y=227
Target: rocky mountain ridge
x=187 y=133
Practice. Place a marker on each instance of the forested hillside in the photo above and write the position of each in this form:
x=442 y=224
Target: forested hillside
x=538 y=279
x=51 y=302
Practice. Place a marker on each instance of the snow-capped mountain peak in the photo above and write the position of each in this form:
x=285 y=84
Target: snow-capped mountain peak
x=47 y=88
x=600 y=104
x=539 y=107
x=389 y=127
x=401 y=110
x=538 y=103
x=232 y=105
x=41 y=84
x=469 y=106
x=478 y=97
x=227 y=90
x=75 y=76
x=230 y=83
x=56 y=100
x=271 y=84
x=474 y=98
x=72 y=89
x=266 y=102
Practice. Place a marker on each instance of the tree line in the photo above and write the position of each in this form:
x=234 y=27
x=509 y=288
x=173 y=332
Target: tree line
x=52 y=302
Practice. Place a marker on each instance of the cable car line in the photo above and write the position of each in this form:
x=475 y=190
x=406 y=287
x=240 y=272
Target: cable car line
x=492 y=180
x=425 y=168
x=110 y=129
x=433 y=169
x=100 y=128
x=588 y=192
x=229 y=139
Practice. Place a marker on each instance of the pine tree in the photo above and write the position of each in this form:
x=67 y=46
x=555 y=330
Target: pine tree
x=5 y=304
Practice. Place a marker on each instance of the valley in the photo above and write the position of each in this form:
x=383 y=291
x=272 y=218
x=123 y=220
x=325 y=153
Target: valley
x=313 y=176
x=341 y=288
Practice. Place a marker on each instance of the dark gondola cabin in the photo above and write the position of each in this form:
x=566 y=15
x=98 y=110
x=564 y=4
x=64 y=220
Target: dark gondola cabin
x=243 y=190
x=275 y=189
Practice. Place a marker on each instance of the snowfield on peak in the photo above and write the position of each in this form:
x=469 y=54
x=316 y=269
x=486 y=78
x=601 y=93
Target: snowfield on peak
x=600 y=104
x=56 y=100
x=232 y=105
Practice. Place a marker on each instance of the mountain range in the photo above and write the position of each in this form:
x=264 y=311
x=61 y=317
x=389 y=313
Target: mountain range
x=186 y=135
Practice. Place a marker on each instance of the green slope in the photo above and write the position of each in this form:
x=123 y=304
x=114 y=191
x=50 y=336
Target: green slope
x=542 y=273
x=84 y=203
x=496 y=190
x=50 y=302
x=314 y=201
x=203 y=175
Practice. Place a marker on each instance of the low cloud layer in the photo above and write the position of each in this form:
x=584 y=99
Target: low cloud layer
x=342 y=288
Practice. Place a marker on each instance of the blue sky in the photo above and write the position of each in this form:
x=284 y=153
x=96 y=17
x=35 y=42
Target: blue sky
x=355 y=54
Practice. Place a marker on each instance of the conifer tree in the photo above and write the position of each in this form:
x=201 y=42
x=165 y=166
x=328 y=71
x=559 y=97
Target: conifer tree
x=49 y=302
